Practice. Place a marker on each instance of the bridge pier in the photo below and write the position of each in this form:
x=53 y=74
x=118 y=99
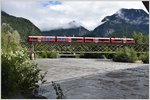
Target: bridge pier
x=31 y=52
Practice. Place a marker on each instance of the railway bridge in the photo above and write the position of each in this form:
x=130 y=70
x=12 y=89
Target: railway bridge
x=80 y=48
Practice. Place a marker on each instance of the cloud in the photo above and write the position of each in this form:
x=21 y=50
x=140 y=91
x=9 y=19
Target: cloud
x=49 y=15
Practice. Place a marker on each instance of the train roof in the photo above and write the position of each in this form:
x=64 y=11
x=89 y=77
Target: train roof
x=41 y=36
x=76 y=37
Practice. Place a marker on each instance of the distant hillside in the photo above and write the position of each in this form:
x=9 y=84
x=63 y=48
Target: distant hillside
x=123 y=23
x=80 y=31
x=22 y=25
x=72 y=29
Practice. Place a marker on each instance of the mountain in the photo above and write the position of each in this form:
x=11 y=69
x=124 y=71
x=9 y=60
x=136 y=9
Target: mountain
x=123 y=23
x=71 y=29
x=22 y=25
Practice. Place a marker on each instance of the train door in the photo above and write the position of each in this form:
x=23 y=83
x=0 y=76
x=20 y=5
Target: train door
x=124 y=40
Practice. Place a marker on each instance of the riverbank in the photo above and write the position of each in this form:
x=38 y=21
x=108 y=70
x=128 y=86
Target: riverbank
x=95 y=78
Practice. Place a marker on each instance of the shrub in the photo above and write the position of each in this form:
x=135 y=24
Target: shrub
x=92 y=55
x=109 y=55
x=144 y=57
x=18 y=73
x=125 y=55
x=10 y=41
x=47 y=54
x=52 y=54
x=44 y=54
x=97 y=55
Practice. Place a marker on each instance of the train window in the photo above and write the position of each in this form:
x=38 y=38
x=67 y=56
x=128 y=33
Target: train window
x=129 y=40
x=61 y=39
x=47 y=39
x=89 y=39
x=118 y=40
x=34 y=38
x=50 y=38
x=74 y=39
x=104 y=40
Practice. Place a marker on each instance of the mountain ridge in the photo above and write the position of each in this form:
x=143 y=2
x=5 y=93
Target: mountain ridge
x=24 y=26
x=123 y=23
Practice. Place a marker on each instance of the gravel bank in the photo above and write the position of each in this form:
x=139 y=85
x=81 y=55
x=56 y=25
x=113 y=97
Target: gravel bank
x=95 y=78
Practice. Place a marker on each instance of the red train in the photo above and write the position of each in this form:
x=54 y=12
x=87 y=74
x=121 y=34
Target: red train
x=79 y=39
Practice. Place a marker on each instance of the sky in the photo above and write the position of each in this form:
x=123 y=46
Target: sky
x=49 y=15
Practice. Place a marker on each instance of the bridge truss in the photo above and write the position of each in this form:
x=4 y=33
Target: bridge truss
x=84 y=47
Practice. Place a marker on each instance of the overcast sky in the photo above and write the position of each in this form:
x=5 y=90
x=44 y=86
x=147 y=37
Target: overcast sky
x=47 y=15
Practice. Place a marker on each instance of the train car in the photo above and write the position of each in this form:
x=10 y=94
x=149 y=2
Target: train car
x=63 y=39
x=77 y=39
x=116 y=40
x=102 y=40
x=90 y=39
x=48 y=39
x=97 y=40
x=34 y=38
x=122 y=40
x=129 y=40
x=41 y=38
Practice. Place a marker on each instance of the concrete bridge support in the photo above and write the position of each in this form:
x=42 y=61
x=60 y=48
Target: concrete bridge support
x=31 y=52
